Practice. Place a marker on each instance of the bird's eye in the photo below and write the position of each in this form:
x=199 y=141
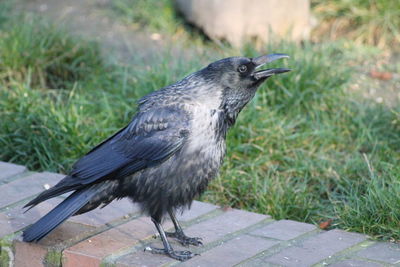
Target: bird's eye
x=242 y=68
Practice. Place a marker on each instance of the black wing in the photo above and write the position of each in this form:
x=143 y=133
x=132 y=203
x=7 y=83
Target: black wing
x=151 y=137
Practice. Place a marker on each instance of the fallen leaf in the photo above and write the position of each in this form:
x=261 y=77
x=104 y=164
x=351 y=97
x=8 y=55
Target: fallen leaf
x=381 y=75
x=325 y=224
x=226 y=208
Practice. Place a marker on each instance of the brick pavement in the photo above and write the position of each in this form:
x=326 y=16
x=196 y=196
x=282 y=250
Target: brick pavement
x=117 y=235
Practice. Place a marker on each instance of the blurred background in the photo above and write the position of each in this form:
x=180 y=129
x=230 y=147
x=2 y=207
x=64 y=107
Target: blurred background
x=320 y=144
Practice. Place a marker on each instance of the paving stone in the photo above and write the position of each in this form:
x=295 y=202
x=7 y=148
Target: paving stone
x=111 y=241
x=210 y=230
x=197 y=209
x=284 y=229
x=28 y=254
x=26 y=187
x=228 y=222
x=355 y=263
x=8 y=169
x=386 y=252
x=232 y=252
x=144 y=259
x=33 y=254
x=113 y=211
x=316 y=248
x=66 y=233
x=14 y=219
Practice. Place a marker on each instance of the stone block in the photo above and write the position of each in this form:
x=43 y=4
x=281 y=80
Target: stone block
x=232 y=252
x=27 y=187
x=386 y=252
x=284 y=229
x=228 y=222
x=8 y=169
x=355 y=263
x=238 y=21
x=316 y=248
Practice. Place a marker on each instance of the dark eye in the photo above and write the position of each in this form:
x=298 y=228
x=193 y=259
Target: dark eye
x=242 y=68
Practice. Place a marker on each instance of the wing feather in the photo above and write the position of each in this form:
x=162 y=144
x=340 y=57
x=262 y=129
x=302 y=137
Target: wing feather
x=151 y=137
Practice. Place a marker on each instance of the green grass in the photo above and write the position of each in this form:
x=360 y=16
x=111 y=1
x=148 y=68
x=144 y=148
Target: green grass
x=154 y=14
x=303 y=149
x=157 y=16
x=374 y=22
x=45 y=55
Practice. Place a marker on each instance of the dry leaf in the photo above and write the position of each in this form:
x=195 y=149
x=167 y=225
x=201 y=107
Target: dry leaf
x=226 y=208
x=381 y=75
x=324 y=225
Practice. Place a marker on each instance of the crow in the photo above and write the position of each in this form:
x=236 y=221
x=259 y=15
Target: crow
x=166 y=155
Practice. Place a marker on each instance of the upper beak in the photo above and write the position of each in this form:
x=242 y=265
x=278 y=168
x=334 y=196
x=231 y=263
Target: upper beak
x=262 y=60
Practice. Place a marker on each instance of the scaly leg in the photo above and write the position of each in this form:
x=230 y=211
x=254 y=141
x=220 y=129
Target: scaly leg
x=180 y=235
x=168 y=250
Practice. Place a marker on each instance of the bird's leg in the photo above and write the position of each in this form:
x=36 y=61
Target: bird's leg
x=168 y=250
x=180 y=235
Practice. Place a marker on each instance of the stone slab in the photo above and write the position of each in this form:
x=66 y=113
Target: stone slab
x=15 y=219
x=197 y=209
x=355 y=263
x=113 y=211
x=231 y=252
x=316 y=248
x=28 y=254
x=228 y=222
x=386 y=252
x=9 y=169
x=111 y=241
x=284 y=229
x=27 y=187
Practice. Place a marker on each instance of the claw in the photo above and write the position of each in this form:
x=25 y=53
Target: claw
x=185 y=240
x=177 y=255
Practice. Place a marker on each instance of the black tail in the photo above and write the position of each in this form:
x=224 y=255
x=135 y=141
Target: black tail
x=59 y=214
x=57 y=190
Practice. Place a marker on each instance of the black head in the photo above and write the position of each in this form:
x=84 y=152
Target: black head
x=242 y=72
x=239 y=78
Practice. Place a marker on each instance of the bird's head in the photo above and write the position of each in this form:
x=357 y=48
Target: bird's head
x=239 y=77
x=243 y=72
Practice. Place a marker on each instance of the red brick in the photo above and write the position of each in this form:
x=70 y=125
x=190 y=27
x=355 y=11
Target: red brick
x=8 y=169
x=111 y=241
x=26 y=187
x=125 y=236
x=67 y=233
x=232 y=252
x=197 y=209
x=80 y=260
x=28 y=254
x=228 y=222
x=113 y=211
x=33 y=254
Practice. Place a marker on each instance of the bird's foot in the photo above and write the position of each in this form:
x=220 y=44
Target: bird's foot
x=177 y=255
x=185 y=240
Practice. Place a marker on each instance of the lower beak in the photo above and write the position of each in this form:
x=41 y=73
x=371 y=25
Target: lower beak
x=262 y=60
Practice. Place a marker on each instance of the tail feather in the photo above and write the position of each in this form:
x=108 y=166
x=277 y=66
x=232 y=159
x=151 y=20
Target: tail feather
x=57 y=190
x=60 y=213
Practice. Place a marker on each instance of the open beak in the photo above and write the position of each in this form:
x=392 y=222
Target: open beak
x=262 y=60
